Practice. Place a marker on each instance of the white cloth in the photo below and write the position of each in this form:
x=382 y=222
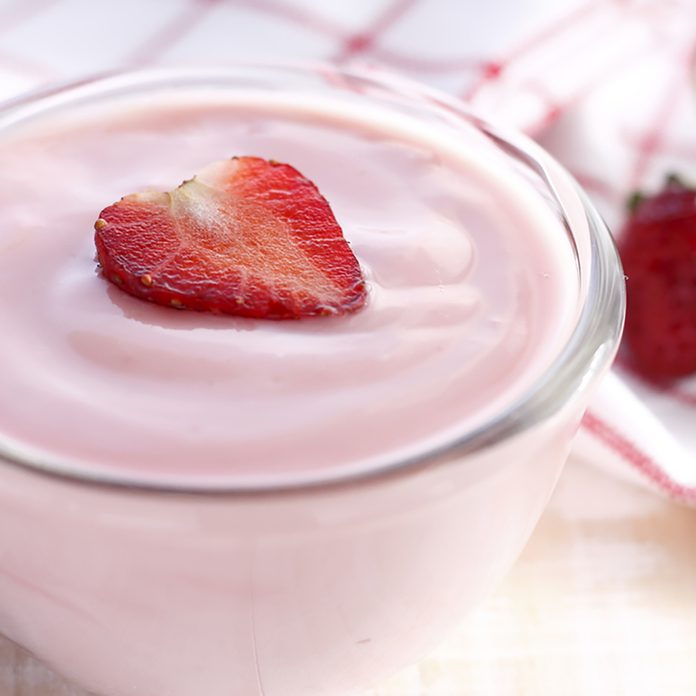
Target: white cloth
x=608 y=86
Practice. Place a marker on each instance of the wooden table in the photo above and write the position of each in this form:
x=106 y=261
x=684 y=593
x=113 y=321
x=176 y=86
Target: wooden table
x=602 y=603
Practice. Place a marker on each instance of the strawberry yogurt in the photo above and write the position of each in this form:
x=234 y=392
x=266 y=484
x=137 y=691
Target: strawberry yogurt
x=472 y=292
x=194 y=504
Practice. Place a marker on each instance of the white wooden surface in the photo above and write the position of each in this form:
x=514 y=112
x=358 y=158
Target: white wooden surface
x=602 y=603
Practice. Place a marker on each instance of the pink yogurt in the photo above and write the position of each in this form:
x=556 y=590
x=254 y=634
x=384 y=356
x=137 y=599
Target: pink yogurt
x=472 y=293
x=292 y=589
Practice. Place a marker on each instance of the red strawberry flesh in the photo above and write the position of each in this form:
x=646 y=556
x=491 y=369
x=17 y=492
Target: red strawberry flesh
x=246 y=236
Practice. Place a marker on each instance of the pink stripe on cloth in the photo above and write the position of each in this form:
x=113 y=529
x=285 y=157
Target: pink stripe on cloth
x=651 y=143
x=623 y=447
x=298 y=15
x=533 y=42
x=605 y=72
x=364 y=40
x=436 y=66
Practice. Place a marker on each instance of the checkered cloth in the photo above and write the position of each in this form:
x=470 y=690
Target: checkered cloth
x=609 y=86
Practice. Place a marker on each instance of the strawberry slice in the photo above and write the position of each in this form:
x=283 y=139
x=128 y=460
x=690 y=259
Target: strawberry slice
x=247 y=236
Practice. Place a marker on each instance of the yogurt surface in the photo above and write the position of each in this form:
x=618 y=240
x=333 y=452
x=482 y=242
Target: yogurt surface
x=473 y=290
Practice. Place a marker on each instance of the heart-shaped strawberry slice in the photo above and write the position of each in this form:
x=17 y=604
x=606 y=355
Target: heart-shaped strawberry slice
x=246 y=236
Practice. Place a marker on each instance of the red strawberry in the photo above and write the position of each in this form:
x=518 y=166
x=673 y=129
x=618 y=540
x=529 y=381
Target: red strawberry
x=246 y=236
x=658 y=250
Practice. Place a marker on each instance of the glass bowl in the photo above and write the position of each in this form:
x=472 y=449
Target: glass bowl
x=321 y=584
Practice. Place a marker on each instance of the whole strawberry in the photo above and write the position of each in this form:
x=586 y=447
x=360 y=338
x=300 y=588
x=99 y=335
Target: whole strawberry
x=658 y=251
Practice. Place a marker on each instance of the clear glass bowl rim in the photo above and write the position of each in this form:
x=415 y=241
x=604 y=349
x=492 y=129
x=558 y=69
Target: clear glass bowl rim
x=586 y=355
